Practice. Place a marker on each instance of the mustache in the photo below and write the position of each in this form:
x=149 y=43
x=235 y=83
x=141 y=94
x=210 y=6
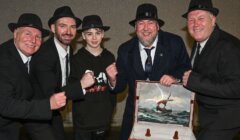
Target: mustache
x=70 y=35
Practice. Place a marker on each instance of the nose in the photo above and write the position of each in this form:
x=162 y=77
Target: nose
x=34 y=39
x=94 y=36
x=68 y=30
x=145 y=27
x=196 y=22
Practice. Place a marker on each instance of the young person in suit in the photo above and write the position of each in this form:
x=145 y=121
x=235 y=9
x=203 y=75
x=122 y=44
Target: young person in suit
x=92 y=116
x=16 y=83
x=166 y=61
x=215 y=77
x=51 y=64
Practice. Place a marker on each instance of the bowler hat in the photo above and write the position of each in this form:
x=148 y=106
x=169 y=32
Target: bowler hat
x=92 y=21
x=201 y=5
x=29 y=20
x=64 y=11
x=147 y=11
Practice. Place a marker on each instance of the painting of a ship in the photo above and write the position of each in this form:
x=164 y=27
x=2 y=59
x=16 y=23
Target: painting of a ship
x=161 y=104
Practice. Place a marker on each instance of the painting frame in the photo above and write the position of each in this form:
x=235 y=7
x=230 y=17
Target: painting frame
x=153 y=130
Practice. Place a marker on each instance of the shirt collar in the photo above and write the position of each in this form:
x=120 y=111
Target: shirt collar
x=61 y=51
x=24 y=57
x=203 y=43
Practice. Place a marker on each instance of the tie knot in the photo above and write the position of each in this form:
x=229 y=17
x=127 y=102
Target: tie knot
x=148 y=51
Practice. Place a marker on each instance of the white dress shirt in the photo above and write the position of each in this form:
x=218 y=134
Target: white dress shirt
x=202 y=44
x=25 y=59
x=62 y=57
x=143 y=53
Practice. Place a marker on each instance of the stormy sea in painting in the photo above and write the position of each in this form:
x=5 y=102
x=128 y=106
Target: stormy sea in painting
x=165 y=105
x=156 y=116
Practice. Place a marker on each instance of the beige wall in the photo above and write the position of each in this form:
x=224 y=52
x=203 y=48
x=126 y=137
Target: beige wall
x=117 y=14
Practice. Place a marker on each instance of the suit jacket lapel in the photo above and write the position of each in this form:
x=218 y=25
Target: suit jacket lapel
x=135 y=61
x=58 y=67
x=159 y=55
x=207 y=50
x=193 y=50
x=19 y=60
x=210 y=45
x=58 y=64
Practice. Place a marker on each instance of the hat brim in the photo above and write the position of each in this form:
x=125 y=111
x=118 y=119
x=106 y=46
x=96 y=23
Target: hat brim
x=13 y=26
x=160 y=22
x=105 y=28
x=53 y=19
x=214 y=11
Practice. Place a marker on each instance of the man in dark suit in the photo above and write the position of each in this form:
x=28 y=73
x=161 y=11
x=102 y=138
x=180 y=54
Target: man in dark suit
x=215 y=77
x=51 y=64
x=168 y=60
x=16 y=83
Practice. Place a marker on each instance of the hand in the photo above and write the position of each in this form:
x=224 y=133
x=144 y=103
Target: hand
x=88 y=79
x=168 y=80
x=112 y=73
x=185 y=77
x=57 y=100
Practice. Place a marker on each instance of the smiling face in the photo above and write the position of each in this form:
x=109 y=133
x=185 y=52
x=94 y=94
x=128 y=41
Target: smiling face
x=200 y=24
x=27 y=40
x=65 y=30
x=93 y=37
x=147 y=31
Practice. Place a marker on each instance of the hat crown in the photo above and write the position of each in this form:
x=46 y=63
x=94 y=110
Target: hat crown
x=147 y=11
x=200 y=4
x=64 y=11
x=92 y=21
x=30 y=19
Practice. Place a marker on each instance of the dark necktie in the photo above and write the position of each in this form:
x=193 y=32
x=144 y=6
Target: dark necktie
x=27 y=65
x=67 y=70
x=197 y=54
x=148 y=63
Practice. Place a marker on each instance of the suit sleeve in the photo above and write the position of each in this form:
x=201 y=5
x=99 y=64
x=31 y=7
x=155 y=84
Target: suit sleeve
x=74 y=89
x=181 y=58
x=225 y=82
x=122 y=74
x=12 y=106
x=44 y=69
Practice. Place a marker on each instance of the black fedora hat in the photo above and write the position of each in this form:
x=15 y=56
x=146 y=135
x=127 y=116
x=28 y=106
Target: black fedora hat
x=201 y=5
x=92 y=21
x=64 y=11
x=147 y=11
x=29 y=20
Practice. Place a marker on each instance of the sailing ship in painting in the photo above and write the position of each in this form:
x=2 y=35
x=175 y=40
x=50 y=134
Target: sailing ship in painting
x=158 y=104
x=164 y=103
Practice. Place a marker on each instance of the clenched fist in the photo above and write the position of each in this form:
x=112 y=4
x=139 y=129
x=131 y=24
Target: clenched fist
x=88 y=79
x=112 y=73
x=58 y=100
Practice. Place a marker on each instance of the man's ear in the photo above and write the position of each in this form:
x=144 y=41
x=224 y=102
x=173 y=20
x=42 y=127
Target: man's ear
x=83 y=36
x=53 y=28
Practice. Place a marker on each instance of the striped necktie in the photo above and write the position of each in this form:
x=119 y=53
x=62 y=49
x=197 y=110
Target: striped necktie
x=148 y=63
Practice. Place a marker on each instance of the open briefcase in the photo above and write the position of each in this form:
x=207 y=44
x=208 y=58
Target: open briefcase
x=162 y=113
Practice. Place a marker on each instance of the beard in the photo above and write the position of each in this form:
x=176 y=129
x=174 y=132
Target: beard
x=147 y=42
